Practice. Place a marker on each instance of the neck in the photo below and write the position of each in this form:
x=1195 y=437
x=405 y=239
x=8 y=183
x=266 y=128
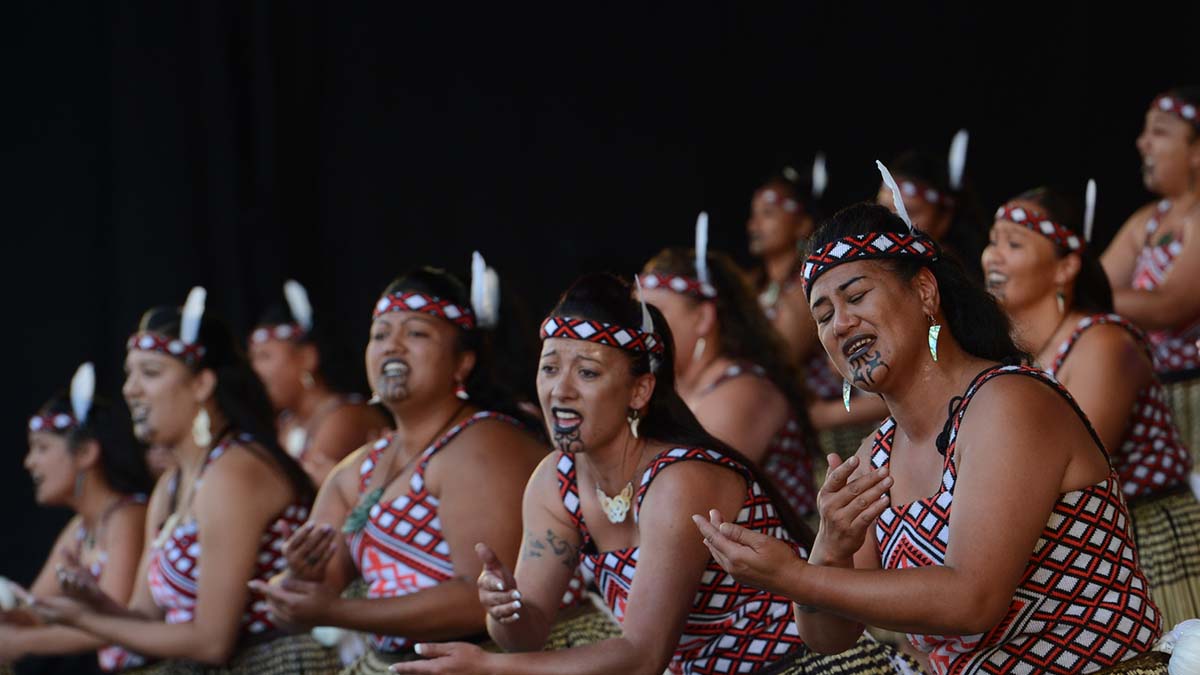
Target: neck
x=94 y=499
x=310 y=401
x=920 y=401
x=1186 y=198
x=1035 y=324
x=779 y=265
x=417 y=422
x=615 y=464
x=697 y=373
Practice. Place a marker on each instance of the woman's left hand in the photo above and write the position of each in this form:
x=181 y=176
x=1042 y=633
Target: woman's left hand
x=460 y=658
x=301 y=604
x=753 y=558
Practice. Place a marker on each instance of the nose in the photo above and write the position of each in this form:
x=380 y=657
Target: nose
x=1143 y=143
x=28 y=462
x=131 y=387
x=563 y=389
x=844 y=321
x=991 y=255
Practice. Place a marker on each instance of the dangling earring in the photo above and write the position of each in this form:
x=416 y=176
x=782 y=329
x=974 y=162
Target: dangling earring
x=307 y=380
x=202 y=429
x=374 y=400
x=846 y=394
x=634 y=419
x=698 y=351
x=460 y=391
x=1061 y=300
x=935 y=329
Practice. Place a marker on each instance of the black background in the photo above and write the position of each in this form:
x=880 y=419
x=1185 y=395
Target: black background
x=152 y=146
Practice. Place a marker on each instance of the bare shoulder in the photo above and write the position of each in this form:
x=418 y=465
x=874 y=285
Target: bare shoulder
x=125 y=525
x=491 y=439
x=1012 y=408
x=688 y=482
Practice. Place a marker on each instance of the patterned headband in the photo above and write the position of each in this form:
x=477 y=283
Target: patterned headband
x=680 y=284
x=870 y=246
x=56 y=422
x=1040 y=222
x=610 y=335
x=1178 y=107
x=147 y=341
x=412 y=301
x=282 y=332
x=926 y=193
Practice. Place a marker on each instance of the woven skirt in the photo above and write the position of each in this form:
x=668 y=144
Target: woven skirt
x=1150 y=663
x=287 y=655
x=1185 y=407
x=1166 y=530
x=867 y=657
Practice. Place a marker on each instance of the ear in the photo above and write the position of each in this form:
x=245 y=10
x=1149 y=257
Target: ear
x=706 y=317
x=308 y=357
x=466 y=364
x=643 y=389
x=1066 y=269
x=87 y=454
x=204 y=383
x=928 y=293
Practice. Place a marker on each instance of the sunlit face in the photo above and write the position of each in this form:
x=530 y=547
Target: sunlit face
x=932 y=219
x=52 y=467
x=869 y=320
x=1170 y=149
x=413 y=356
x=777 y=222
x=684 y=317
x=162 y=395
x=1019 y=264
x=280 y=366
x=585 y=390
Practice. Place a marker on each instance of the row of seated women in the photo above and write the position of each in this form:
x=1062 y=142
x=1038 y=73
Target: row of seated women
x=1073 y=541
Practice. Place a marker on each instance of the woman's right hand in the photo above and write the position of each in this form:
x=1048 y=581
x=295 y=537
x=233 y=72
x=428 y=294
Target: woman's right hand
x=309 y=550
x=848 y=506
x=497 y=588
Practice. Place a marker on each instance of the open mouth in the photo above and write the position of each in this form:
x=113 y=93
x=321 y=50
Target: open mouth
x=37 y=479
x=995 y=280
x=857 y=346
x=565 y=420
x=139 y=412
x=394 y=368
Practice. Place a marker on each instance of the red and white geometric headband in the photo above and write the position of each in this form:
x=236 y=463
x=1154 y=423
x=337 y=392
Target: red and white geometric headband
x=185 y=347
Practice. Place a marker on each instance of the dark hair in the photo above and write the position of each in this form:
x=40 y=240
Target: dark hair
x=122 y=463
x=967 y=234
x=974 y=319
x=608 y=299
x=1093 y=292
x=799 y=186
x=239 y=394
x=335 y=361
x=491 y=346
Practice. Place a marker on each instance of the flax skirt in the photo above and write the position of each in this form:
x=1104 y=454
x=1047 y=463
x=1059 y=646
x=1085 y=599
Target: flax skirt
x=287 y=655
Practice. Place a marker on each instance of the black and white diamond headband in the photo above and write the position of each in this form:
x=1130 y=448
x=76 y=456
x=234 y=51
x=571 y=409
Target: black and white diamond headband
x=912 y=245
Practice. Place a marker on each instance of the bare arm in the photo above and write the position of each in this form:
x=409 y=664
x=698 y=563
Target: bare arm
x=1104 y=373
x=1120 y=258
x=1175 y=303
x=794 y=322
x=745 y=413
x=344 y=430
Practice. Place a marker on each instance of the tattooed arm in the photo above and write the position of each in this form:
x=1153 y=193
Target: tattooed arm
x=549 y=556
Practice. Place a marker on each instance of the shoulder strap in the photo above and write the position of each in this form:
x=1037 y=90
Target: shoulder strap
x=735 y=370
x=1101 y=320
x=669 y=457
x=568 y=490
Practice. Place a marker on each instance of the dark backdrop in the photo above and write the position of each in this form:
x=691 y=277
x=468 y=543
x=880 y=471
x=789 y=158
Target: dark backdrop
x=152 y=146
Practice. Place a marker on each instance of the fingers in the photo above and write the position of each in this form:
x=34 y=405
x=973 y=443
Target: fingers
x=852 y=489
x=715 y=517
x=494 y=569
x=309 y=544
x=839 y=473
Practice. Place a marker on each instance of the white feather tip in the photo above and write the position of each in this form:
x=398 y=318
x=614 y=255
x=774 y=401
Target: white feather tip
x=647 y=320
x=958 y=159
x=83 y=391
x=897 y=198
x=485 y=292
x=820 y=176
x=298 y=304
x=1089 y=212
x=702 y=247
x=193 y=312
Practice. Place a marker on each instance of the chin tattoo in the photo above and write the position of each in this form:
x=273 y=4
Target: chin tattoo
x=569 y=442
x=866 y=367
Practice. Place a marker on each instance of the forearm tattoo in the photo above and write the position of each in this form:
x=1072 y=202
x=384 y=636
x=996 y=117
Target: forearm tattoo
x=550 y=546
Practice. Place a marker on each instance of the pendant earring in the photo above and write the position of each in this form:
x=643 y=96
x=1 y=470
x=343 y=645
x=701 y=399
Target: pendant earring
x=698 y=351
x=634 y=419
x=202 y=429
x=846 y=394
x=374 y=400
x=307 y=380
x=1062 y=302
x=935 y=329
x=460 y=391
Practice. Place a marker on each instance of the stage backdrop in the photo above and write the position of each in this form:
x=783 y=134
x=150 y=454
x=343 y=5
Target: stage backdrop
x=152 y=146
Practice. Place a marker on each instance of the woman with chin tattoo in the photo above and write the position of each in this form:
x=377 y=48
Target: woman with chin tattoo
x=984 y=518
x=1040 y=268
x=405 y=513
x=225 y=508
x=1154 y=261
x=632 y=466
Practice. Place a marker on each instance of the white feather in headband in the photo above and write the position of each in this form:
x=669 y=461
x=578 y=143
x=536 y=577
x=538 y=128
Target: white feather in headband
x=897 y=198
x=485 y=292
x=702 y=248
x=958 y=159
x=83 y=392
x=820 y=176
x=1089 y=212
x=193 y=312
x=298 y=304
